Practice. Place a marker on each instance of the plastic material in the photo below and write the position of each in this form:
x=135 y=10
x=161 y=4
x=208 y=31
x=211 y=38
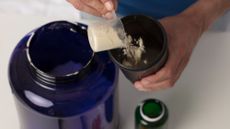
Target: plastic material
x=151 y=114
x=155 y=43
x=59 y=83
x=106 y=35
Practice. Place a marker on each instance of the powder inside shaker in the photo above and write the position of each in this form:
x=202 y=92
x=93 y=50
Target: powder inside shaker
x=143 y=43
x=133 y=51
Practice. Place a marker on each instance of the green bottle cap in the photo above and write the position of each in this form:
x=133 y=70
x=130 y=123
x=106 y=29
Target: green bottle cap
x=152 y=110
x=150 y=114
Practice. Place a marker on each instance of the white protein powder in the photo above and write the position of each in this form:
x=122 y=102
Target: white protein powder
x=133 y=51
x=103 y=37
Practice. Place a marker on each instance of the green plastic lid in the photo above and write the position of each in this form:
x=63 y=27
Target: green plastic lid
x=151 y=114
x=152 y=108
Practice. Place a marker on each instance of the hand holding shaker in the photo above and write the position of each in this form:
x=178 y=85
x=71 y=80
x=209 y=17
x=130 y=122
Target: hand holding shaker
x=136 y=43
x=58 y=82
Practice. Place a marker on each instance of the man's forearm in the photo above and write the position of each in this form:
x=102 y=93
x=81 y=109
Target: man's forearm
x=205 y=12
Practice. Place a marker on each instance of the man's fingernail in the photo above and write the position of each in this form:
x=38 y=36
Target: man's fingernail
x=108 y=15
x=145 y=82
x=109 y=5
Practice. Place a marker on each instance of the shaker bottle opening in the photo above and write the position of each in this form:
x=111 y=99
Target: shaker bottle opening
x=146 y=31
x=147 y=49
x=59 y=49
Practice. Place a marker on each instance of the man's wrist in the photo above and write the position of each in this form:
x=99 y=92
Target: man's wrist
x=204 y=12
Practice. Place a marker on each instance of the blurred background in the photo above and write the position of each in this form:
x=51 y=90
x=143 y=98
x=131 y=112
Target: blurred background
x=61 y=9
x=46 y=8
x=53 y=9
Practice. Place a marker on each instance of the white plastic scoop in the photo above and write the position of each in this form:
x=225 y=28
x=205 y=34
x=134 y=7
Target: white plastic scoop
x=106 y=35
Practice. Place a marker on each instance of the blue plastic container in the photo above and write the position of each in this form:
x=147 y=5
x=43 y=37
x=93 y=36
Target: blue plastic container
x=59 y=83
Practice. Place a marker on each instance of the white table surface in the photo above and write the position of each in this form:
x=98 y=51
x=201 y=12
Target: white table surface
x=200 y=99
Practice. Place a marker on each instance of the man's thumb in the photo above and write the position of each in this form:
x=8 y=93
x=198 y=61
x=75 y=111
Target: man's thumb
x=108 y=4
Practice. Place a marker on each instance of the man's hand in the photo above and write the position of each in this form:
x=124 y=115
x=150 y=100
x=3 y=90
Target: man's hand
x=183 y=32
x=103 y=8
x=182 y=36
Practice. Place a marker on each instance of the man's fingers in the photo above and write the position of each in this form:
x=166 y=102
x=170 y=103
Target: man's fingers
x=138 y=85
x=168 y=82
x=169 y=71
x=158 y=77
x=164 y=74
x=102 y=8
x=97 y=5
x=160 y=86
x=152 y=87
x=115 y=4
x=109 y=4
x=161 y=75
x=83 y=7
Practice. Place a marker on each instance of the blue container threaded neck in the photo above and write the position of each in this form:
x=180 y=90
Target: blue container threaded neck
x=57 y=53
